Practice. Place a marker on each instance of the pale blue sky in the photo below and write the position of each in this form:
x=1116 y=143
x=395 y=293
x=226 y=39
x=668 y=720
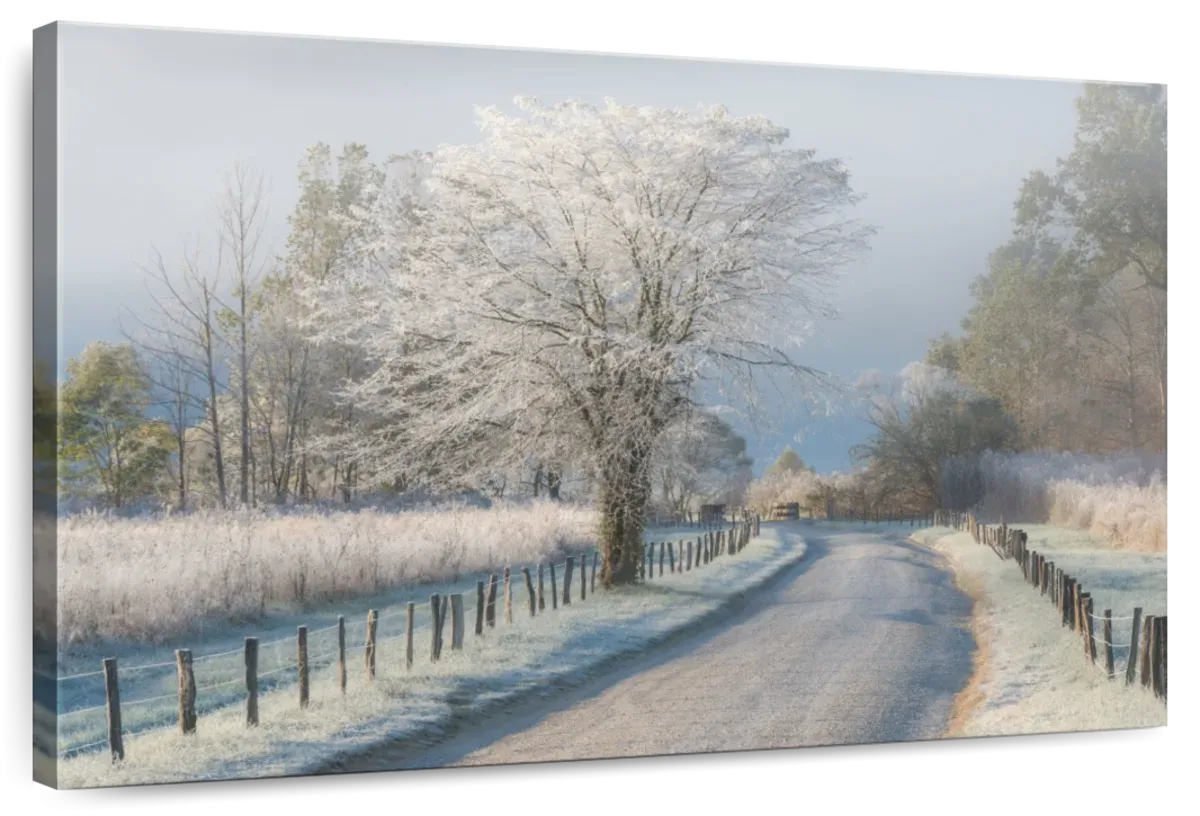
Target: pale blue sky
x=150 y=119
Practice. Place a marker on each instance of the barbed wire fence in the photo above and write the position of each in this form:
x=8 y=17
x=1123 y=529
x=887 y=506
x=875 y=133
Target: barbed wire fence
x=181 y=691
x=1144 y=649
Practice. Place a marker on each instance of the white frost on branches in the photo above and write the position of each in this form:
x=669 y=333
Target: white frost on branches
x=562 y=288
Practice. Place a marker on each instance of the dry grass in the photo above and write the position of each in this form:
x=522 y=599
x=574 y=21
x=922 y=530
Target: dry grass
x=1120 y=497
x=151 y=578
x=556 y=649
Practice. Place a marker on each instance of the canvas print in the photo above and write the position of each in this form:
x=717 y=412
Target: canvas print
x=409 y=406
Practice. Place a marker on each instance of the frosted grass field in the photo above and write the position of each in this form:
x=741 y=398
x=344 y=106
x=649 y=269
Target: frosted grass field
x=1035 y=675
x=528 y=654
x=147 y=669
x=1121 y=497
x=153 y=579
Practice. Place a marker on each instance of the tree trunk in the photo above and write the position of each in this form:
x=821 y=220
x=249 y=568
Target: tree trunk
x=620 y=536
x=218 y=456
x=245 y=400
x=624 y=497
x=182 y=442
x=1165 y=450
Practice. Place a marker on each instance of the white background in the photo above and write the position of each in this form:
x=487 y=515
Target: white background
x=299 y=28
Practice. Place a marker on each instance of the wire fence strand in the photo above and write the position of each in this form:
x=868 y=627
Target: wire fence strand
x=281 y=653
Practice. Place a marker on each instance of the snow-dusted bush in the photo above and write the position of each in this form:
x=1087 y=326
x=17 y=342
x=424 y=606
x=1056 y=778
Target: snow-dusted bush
x=153 y=577
x=810 y=490
x=1122 y=496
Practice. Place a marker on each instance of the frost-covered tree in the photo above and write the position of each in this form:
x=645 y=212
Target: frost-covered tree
x=788 y=462
x=296 y=417
x=922 y=418
x=700 y=459
x=561 y=289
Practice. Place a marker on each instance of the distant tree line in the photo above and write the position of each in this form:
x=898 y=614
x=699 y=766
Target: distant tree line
x=1065 y=347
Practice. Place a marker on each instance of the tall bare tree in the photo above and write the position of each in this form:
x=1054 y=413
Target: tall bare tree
x=242 y=216
x=181 y=334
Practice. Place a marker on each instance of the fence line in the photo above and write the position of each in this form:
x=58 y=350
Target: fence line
x=714 y=542
x=1148 y=635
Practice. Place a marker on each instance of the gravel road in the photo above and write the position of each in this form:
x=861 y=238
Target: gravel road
x=866 y=640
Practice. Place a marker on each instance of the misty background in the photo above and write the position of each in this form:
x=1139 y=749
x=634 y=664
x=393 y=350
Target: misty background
x=150 y=120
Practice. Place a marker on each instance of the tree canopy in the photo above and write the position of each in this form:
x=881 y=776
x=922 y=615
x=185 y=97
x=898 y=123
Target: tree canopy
x=1068 y=328
x=561 y=288
x=788 y=462
x=107 y=445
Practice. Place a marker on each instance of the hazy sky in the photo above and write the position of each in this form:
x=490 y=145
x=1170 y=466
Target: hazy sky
x=150 y=120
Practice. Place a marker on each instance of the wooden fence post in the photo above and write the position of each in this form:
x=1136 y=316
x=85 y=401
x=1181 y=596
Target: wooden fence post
x=369 y=649
x=508 y=594
x=458 y=625
x=112 y=705
x=529 y=591
x=652 y=559
x=1162 y=657
x=553 y=587
x=251 y=681
x=435 y=608
x=689 y=555
x=1131 y=662
x=187 y=691
x=583 y=577
x=566 y=599
x=642 y=564
x=1062 y=597
x=671 y=555
x=442 y=617
x=1147 y=634
x=341 y=653
x=1156 y=657
x=662 y=555
x=1108 y=644
x=595 y=562
x=541 y=593
x=479 y=602
x=1089 y=622
x=302 y=664
x=1068 y=603
x=490 y=607
x=410 y=622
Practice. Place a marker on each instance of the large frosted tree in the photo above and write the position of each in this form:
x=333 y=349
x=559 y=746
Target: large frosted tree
x=563 y=289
